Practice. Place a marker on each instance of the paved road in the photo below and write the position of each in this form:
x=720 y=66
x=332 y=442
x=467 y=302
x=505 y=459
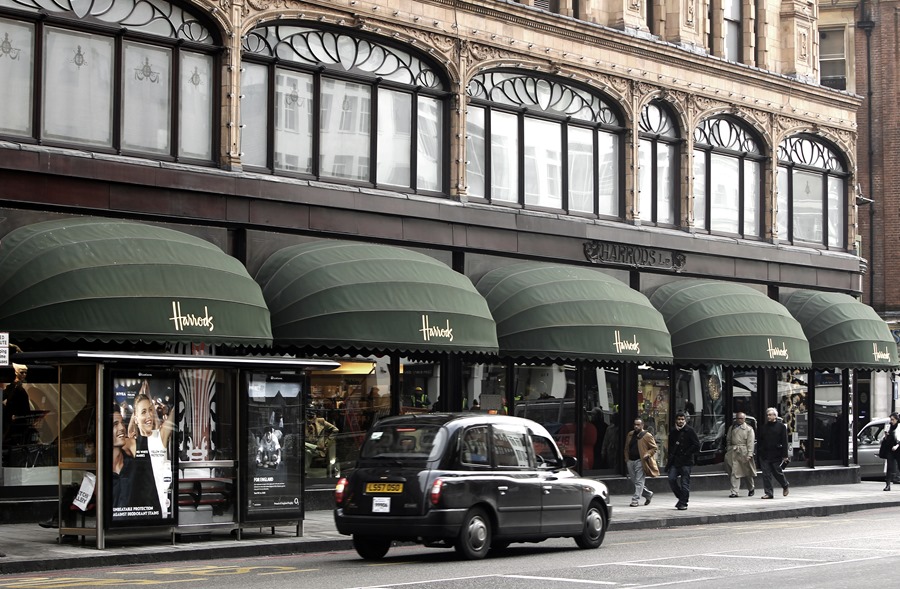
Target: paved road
x=833 y=552
x=28 y=548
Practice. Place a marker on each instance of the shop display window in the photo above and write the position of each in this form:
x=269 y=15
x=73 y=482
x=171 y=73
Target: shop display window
x=653 y=398
x=792 y=395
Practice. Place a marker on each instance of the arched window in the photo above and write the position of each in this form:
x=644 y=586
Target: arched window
x=328 y=104
x=812 y=193
x=129 y=76
x=658 y=165
x=727 y=178
x=534 y=141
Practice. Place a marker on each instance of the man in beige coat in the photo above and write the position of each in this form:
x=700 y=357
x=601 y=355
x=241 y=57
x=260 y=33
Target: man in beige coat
x=740 y=443
x=640 y=449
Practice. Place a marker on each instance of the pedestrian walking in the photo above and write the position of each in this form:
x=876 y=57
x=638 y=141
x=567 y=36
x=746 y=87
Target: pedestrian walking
x=640 y=461
x=773 y=453
x=739 y=447
x=683 y=444
x=890 y=450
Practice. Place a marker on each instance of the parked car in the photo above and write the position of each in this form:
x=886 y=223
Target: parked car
x=475 y=482
x=868 y=442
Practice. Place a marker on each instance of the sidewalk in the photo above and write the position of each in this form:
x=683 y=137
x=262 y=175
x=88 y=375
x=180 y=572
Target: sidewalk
x=30 y=548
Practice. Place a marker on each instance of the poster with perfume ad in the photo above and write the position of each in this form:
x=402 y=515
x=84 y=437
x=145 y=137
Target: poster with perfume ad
x=142 y=423
x=275 y=446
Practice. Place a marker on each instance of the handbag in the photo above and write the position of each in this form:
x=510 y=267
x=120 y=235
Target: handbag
x=884 y=451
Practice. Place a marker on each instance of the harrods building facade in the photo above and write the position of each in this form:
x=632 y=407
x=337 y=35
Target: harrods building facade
x=674 y=155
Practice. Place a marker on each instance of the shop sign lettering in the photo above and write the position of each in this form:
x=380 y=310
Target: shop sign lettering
x=632 y=346
x=604 y=252
x=880 y=356
x=429 y=331
x=775 y=352
x=186 y=320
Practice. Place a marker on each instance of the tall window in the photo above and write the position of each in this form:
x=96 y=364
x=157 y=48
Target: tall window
x=727 y=178
x=732 y=30
x=658 y=166
x=812 y=193
x=342 y=107
x=147 y=90
x=832 y=59
x=533 y=141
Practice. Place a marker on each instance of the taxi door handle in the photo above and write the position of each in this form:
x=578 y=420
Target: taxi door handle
x=503 y=488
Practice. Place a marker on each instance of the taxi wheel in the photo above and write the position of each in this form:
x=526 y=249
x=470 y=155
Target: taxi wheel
x=371 y=547
x=594 y=527
x=474 y=538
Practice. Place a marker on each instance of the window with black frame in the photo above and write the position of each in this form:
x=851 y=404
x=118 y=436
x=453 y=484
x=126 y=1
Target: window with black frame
x=728 y=168
x=129 y=76
x=330 y=105
x=658 y=165
x=535 y=141
x=812 y=193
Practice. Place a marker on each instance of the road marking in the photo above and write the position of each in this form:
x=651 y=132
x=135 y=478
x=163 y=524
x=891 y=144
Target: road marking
x=646 y=564
x=723 y=555
x=824 y=564
x=561 y=579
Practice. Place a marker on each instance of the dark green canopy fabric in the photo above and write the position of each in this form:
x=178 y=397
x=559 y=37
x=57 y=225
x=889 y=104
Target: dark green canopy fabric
x=98 y=279
x=553 y=312
x=729 y=324
x=842 y=331
x=366 y=297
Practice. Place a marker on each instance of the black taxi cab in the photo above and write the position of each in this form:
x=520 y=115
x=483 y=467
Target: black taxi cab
x=471 y=481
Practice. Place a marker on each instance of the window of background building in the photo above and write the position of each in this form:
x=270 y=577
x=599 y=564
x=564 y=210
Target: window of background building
x=812 y=193
x=533 y=141
x=66 y=80
x=658 y=166
x=832 y=59
x=342 y=107
x=727 y=178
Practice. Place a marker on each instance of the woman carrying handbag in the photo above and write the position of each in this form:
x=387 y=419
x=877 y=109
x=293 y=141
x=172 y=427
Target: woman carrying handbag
x=890 y=450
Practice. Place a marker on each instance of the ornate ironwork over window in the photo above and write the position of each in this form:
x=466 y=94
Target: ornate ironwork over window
x=339 y=51
x=541 y=94
x=153 y=17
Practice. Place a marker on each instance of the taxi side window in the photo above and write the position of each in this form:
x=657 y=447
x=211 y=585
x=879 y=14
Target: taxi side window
x=510 y=448
x=475 y=446
x=872 y=434
x=544 y=452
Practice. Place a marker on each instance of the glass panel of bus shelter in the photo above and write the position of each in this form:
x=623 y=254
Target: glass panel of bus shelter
x=77 y=444
x=792 y=390
x=653 y=398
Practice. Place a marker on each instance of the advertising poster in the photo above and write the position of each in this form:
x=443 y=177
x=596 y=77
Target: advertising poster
x=275 y=446
x=142 y=421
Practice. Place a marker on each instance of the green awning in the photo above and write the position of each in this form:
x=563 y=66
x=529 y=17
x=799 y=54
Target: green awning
x=553 y=312
x=98 y=279
x=729 y=324
x=842 y=331
x=352 y=296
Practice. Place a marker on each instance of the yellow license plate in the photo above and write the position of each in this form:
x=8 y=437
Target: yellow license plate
x=384 y=487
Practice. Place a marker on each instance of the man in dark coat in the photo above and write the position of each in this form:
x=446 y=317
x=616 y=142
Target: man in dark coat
x=773 y=453
x=683 y=444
